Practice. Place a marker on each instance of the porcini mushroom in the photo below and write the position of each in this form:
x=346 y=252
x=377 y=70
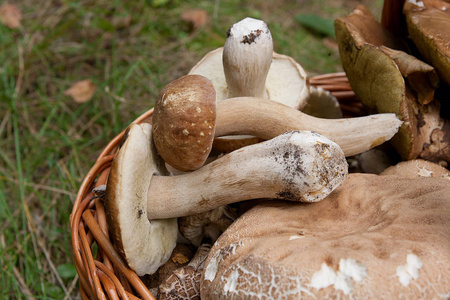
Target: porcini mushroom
x=374 y=237
x=389 y=80
x=247 y=66
x=141 y=205
x=266 y=119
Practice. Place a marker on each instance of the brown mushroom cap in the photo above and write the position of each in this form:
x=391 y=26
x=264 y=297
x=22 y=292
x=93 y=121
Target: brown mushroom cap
x=429 y=28
x=184 y=122
x=375 y=237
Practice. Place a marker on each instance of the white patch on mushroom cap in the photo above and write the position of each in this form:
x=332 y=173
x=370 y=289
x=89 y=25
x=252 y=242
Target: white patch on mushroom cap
x=342 y=279
x=410 y=270
x=418 y=3
x=211 y=269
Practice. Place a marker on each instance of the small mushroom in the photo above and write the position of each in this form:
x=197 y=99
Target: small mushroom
x=184 y=122
x=142 y=204
x=374 y=237
x=247 y=66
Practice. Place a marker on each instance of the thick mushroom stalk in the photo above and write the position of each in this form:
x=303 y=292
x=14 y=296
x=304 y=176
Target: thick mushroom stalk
x=267 y=119
x=247 y=56
x=296 y=166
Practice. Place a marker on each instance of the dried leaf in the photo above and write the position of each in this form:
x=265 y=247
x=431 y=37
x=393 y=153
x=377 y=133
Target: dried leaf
x=10 y=15
x=81 y=91
x=196 y=17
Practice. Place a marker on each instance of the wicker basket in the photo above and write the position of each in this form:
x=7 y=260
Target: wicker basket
x=102 y=271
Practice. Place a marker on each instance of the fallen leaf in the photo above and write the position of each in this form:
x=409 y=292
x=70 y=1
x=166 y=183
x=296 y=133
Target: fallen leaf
x=81 y=91
x=196 y=17
x=10 y=15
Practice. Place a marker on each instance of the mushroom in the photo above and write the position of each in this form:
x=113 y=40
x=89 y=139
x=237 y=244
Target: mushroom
x=388 y=80
x=247 y=66
x=184 y=121
x=142 y=204
x=417 y=168
x=266 y=119
x=374 y=237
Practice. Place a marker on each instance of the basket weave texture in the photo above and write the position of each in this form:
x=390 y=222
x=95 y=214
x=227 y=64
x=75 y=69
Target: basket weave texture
x=102 y=272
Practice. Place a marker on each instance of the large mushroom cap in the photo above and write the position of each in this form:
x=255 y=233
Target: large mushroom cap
x=286 y=81
x=374 y=237
x=143 y=244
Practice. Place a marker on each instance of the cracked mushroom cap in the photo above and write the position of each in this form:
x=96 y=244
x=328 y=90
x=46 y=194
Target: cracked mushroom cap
x=145 y=245
x=184 y=122
x=374 y=237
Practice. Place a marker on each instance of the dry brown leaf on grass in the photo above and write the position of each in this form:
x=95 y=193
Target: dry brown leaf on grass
x=195 y=17
x=81 y=91
x=10 y=15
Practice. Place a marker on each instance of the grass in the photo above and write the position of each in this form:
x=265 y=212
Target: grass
x=130 y=50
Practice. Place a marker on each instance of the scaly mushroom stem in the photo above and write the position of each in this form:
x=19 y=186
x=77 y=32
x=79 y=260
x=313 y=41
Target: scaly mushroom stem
x=296 y=166
x=247 y=56
x=267 y=119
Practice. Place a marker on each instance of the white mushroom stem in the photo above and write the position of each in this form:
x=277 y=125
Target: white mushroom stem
x=267 y=119
x=296 y=166
x=247 y=56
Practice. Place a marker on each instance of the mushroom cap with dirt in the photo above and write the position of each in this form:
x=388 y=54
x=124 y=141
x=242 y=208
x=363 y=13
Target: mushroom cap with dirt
x=142 y=204
x=374 y=237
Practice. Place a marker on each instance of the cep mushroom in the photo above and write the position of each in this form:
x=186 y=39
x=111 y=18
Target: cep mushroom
x=374 y=237
x=267 y=119
x=247 y=67
x=142 y=204
x=389 y=80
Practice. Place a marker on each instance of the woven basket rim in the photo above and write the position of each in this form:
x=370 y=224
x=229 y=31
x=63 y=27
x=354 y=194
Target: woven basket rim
x=106 y=275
